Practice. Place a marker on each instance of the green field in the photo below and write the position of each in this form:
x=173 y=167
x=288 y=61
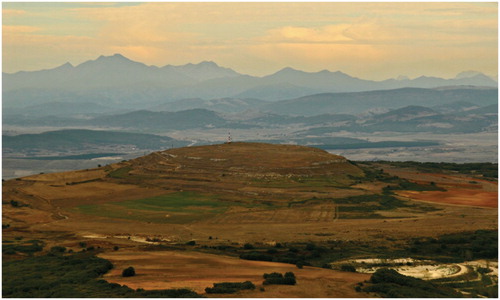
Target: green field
x=180 y=207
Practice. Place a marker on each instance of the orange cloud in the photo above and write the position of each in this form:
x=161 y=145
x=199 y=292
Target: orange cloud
x=12 y=12
x=18 y=29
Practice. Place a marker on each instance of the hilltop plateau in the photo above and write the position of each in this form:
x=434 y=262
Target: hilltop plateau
x=181 y=216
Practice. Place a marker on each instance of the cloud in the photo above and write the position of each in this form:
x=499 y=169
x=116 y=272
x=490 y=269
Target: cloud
x=258 y=37
x=12 y=12
x=18 y=29
x=293 y=34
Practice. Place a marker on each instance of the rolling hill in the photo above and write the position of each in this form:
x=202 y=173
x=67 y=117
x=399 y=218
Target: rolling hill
x=81 y=141
x=355 y=103
x=181 y=216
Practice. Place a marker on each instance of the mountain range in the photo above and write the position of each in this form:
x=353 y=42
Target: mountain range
x=118 y=82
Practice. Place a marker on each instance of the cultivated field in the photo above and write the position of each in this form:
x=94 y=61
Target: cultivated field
x=235 y=194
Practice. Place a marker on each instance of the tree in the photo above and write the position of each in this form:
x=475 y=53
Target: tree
x=128 y=272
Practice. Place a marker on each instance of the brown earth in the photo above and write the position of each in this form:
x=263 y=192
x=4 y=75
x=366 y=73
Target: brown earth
x=197 y=271
x=460 y=189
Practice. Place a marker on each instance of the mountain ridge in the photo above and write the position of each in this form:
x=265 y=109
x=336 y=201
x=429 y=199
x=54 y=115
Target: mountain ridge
x=118 y=81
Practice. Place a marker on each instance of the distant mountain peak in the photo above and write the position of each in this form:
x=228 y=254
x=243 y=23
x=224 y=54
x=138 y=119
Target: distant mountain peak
x=208 y=63
x=64 y=66
x=288 y=70
x=467 y=74
x=115 y=57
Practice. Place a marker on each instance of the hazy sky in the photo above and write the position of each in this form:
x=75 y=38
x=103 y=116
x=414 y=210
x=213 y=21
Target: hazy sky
x=366 y=40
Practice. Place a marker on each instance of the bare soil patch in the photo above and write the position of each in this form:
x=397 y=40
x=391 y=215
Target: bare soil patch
x=455 y=196
x=194 y=270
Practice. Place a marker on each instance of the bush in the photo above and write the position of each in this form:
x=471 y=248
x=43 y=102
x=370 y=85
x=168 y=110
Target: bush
x=128 y=272
x=272 y=275
x=389 y=283
x=348 y=268
x=58 y=249
x=191 y=243
x=15 y=203
x=220 y=290
x=229 y=287
x=278 y=278
x=283 y=281
x=70 y=276
x=248 y=246
x=310 y=247
x=256 y=256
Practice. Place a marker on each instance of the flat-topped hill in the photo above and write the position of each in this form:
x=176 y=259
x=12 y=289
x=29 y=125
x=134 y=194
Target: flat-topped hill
x=253 y=159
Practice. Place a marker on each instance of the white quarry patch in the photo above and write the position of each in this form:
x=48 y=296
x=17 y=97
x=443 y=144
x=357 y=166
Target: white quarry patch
x=425 y=272
x=107 y=158
x=423 y=269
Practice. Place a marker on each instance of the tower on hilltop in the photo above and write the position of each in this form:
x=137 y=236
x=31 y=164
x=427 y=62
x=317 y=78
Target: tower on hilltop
x=229 y=139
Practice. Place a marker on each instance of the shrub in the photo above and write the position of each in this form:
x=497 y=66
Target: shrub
x=220 y=290
x=284 y=281
x=272 y=275
x=9 y=251
x=58 y=249
x=348 y=268
x=310 y=247
x=248 y=246
x=191 y=243
x=229 y=287
x=128 y=272
x=15 y=203
x=256 y=256
x=278 y=278
x=389 y=283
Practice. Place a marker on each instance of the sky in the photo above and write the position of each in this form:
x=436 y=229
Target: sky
x=367 y=40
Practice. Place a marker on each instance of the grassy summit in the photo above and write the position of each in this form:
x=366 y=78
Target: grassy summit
x=251 y=158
